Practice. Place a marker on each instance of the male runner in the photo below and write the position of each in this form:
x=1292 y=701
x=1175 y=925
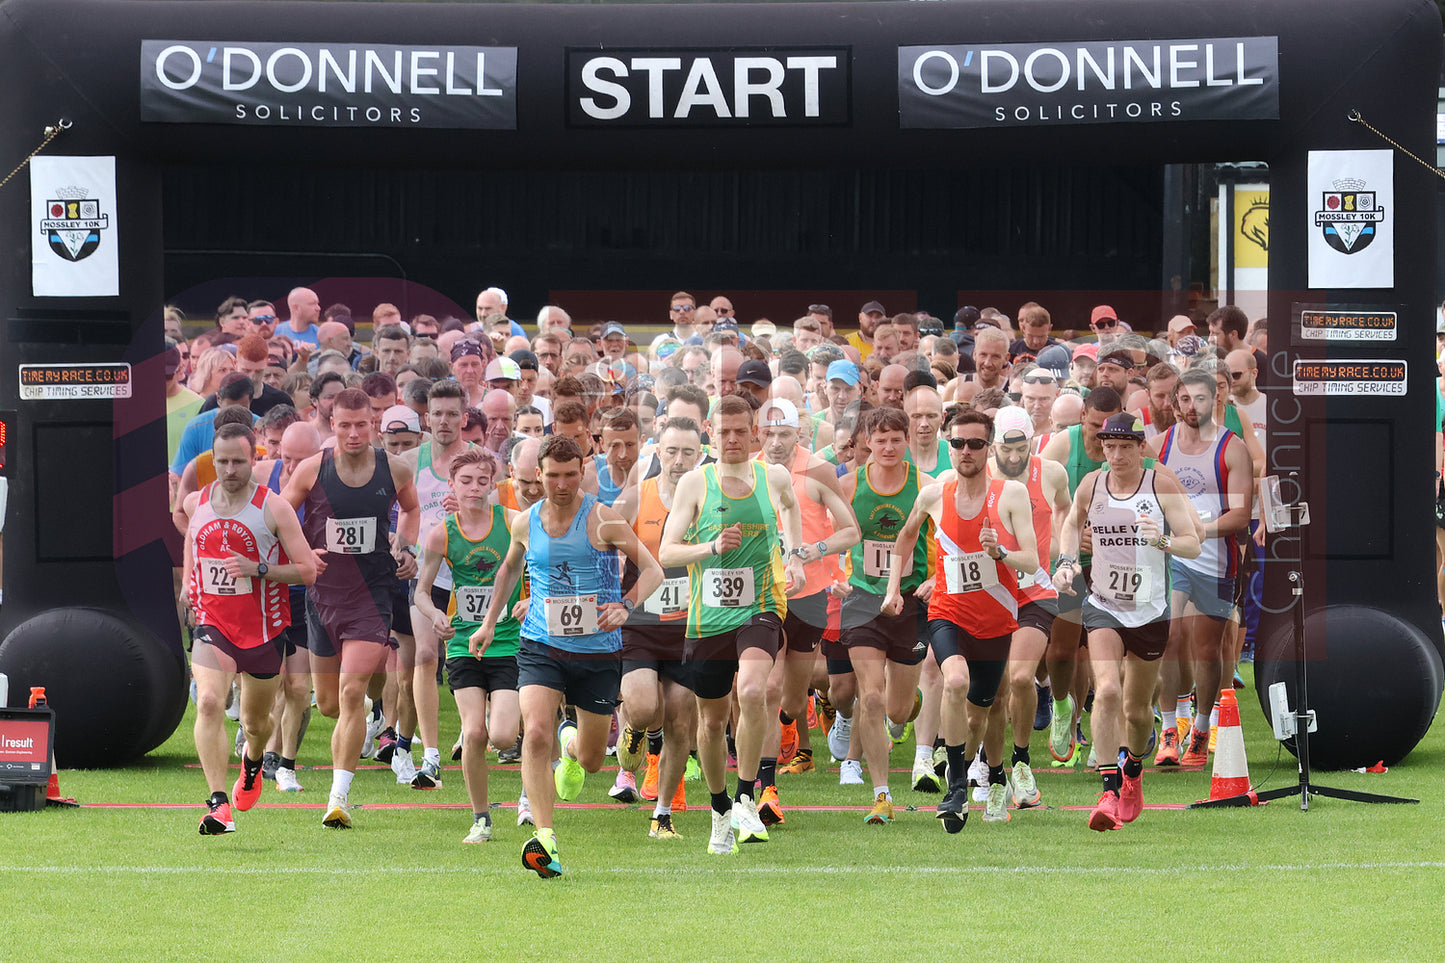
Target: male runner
x=1136 y=517
x=524 y=489
x=973 y=610
x=473 y=541
x=659 y=710
x=240 y=544
x=347 y=493
x=724 y=526
x=569 y=544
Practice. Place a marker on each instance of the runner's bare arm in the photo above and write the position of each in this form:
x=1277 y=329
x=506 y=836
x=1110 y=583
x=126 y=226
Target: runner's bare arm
x=845 y=532
x=1018 y=517
x=1069 y=537
x=433 y=550
x=408 y=520
x=503 y=583
x=928 y=500
x=301 y=570
x=672 y=551
x=1240 y=492
x=1057 y=450
x=1180 y=516
x=301 y=482
x=615 y=531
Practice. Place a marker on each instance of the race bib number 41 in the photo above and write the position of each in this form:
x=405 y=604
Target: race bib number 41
x=570 y=615
x=472 y=601
x=669 y=599
x=351 y=536
x=728 y=588
x=969 y=572
x=215 y=580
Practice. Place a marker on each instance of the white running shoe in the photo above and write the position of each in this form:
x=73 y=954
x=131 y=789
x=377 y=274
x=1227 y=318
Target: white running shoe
x=924 y=778
x=404 y=766
x=524 y=811
x=374 y=726
x=338 y=814
x=233 y=703
x=838 y=737
x=746 y=821
x=851 y=773
x=724 y=841
x=1026 y=793
x=286 y=781
x=481 y=831
x=978 y=778
x=996 y=809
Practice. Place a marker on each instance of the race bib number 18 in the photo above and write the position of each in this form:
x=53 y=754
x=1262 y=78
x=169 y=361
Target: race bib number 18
x=728 y=588
x=570 y=615
x=215 y=580
x=969 y=572
x=351 y=536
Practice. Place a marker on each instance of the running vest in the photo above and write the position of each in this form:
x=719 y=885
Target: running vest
x=941 y=465
x=727 y=590
x=249 y=611
x=431 y=488
x=297 y=592
x=1029 y=587
x=1129 y=578
x=474 y=563
x=669 y=602
x=817 y=526
x=607 y=492
x=1079 y=463
x=880 y=518
x=507 y=495
x=1205 y=478
x=351 y=524
x=570 y=578
x=974 y=592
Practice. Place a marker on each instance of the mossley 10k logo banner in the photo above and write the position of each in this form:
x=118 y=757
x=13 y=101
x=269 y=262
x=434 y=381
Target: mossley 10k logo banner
x=73 y=245
x=1351 y=197
x=328 y=84
x=1088 y=82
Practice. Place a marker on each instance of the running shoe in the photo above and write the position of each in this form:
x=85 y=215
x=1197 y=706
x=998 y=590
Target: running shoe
x=374 y=725
x=810 y=720
x=512 y=753
x=978 y=777
x=838 y=737
x=995 y=809
x=917 y=705
x=286 y=780
x=457 y=750
x=801 y=763
x=218 y=818
x=649 y=778
x=1061 y=732
x=693 y=772
x=385 y=746
x=481 y=831
x=429 y=776
x=1153 y=740
x=233 y=703
x=1182 y=726
x=724 y=841
x=1026 y=793
x=662 y=827
x=338 y=814
x=1079 y=737
x=1093 y=762
x=924 y=778
x=240 y=741
x=747 y=822
x=882 y=812
x=540 y=856
x=826 y=713
x=940 y=760
x=1168 y=754
x=1105 y=815
x=524 y=811
x=404 y=766
x=788 y=748
x=630 y=748
x=1213 y=738
x=270 y=762
x=1239 y=679
x=851 y=773
x=770 y=807
x=953 y=811
x=1131 y=798
x=1044 y=713
x=899 y=733
x=247 y=788
x=679 y=798
x=624 y=790
x=1198 y=752
x=569 y=774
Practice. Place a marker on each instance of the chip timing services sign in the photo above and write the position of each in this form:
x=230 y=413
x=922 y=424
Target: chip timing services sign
x=1096 y=82
x=328 y=85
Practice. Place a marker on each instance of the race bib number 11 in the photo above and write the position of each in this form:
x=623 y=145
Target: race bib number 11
x=877 y=558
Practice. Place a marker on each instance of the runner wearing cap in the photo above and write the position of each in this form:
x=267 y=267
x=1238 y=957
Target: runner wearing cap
x=842 y=387
x=1136 y=518
x=400 y=429
x=1116 y=367
x=469 y=364
x=1104 y=322
x=504 y=373
x=869 y=317
x=828 y=529
x=1084 y=365
x=973 y=609
x=756 y=376
x=1179 y=326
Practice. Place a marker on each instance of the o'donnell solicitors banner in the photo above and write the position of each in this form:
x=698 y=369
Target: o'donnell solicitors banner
x=1096 y=82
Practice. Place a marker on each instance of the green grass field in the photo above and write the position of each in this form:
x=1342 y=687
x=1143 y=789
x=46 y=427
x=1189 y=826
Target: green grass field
x=1265 y=883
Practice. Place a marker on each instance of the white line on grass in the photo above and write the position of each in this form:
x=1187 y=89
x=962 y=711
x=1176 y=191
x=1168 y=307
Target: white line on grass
x=734 y=868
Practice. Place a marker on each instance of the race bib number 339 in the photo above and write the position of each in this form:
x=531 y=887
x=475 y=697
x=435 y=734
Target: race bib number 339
x=728 y=588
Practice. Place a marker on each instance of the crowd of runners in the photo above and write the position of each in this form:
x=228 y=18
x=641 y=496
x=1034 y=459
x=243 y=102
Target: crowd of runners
x=689 y=549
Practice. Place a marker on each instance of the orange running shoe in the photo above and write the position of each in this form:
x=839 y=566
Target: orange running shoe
x=1168 y=754
x=802 y=762
x=770 y=809
x=649 y=781
x=789 y=747
x=1131 y=798
x=247 y=788
x=1106 y=813
x=811 y=719
x=1183 y=726
x=679 y=798
x=1198 y=753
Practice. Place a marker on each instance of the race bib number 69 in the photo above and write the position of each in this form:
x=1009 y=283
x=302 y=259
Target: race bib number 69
x=570 y=615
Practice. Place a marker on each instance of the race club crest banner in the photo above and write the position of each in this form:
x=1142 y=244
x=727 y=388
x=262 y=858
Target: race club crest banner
x=1352 y=219
x=73 y=229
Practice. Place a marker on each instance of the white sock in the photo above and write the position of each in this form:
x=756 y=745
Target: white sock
x=1214 y=716
x=431 y=754
x=662 y=808
x=884 y=791
x=1171 y=718
x=923 y=754
x=341 y=782
x=1181 y=707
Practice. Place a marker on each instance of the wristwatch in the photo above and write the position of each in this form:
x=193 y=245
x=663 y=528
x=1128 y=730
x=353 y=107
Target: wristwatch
x=261 y=569
x=1002 y=554
x=629 y=605
x=822 y=549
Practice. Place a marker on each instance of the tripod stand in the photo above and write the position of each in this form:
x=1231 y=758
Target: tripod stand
x=1291 y=518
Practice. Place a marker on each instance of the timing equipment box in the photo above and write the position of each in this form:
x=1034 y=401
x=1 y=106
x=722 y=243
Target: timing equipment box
x=27 y=740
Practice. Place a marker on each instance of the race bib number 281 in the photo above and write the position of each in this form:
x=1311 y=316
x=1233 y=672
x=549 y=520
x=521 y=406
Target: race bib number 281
x=351 y=536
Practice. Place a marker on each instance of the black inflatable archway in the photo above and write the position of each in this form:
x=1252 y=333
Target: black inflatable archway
x=492 y=89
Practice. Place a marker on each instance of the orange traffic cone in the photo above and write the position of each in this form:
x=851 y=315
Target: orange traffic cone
x=1231 y=769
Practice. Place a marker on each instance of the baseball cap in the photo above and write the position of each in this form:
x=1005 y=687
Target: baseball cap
x=614 y=330
x=784 y=414
x=965 y=317
x=666 y=347
x=1089 y=352
x=399 y=418
x=726 y=324
x=1012 y=419
x=467 y=346
x=764 y=329
x=171 y=358
x=1055 y=360
x=1123 y=359
x=1123 y=425
x=872 y=307
x=1181 y=323
x=843 y=370
x=1190 y=345
x=930 y=325
x=755 y=372
x=1102 y=312
x=982 y=323
x=503 y=368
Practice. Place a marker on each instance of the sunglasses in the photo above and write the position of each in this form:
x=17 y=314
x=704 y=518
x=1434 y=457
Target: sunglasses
x=819 y=309
x=1236 y=375
x=264 y=319
x=1107 y=323
x=683 y=308
x=1039 y=378
x=723 y=311
x=972 y=444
